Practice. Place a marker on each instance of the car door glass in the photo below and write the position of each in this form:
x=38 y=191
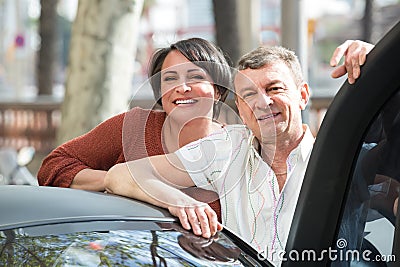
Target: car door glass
x=368 y=223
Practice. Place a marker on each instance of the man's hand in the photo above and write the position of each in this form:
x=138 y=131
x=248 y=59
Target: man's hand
x=355 y=53
x=199 y=217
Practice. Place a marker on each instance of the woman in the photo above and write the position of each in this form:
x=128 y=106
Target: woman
x=189 y=80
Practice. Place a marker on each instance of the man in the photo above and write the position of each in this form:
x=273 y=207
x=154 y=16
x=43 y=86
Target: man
x=257 y=170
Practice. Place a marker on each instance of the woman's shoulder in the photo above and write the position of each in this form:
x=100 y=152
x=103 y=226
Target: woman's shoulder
x=145 y=115
x=140 y=110
x=138 y=113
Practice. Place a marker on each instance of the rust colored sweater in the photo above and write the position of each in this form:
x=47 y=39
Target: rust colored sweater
x=128 y=136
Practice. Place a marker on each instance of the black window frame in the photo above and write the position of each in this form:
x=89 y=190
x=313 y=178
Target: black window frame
x=329 y=172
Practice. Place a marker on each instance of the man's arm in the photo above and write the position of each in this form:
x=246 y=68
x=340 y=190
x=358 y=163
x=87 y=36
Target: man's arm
x=157 y=180
x=355 y=53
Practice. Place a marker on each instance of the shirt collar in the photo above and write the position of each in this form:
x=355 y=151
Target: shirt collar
x=305 y=146
x=302 y=151
x=306 y=143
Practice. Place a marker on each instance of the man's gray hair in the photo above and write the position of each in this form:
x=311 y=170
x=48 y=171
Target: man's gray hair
x=264 y=55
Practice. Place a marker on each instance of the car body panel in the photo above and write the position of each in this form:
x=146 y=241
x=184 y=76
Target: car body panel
x=37 y=205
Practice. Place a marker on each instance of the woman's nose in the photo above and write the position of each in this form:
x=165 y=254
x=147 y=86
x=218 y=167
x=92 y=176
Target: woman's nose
x=183 y=88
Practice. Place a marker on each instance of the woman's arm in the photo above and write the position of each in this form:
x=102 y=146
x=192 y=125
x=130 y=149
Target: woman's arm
x=157 y=180
x=82 y=162
x=88 y=179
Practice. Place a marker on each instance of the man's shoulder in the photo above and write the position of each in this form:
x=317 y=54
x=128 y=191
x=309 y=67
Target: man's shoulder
x=214 y=154
x=226 y=136
x=229 y=133
x=237 y=129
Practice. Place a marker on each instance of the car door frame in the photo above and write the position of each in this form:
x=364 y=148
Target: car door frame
x=328 y=177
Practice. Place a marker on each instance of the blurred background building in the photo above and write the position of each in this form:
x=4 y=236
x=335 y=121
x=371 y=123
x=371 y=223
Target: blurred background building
x=330 y=22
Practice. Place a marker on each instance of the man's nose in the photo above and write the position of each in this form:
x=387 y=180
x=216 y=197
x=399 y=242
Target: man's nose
x=264 y=101
x=183 y=88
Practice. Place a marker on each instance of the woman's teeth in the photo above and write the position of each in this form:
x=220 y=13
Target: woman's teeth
x=185 y=101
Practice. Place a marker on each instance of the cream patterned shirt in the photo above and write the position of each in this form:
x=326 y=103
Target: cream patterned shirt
x=251 y=204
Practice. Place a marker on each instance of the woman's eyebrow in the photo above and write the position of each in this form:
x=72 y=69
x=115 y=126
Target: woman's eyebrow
x=175 y=72
x=169 y=72
x=199 y=69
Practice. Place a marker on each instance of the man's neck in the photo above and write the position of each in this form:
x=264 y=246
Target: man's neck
x=275 y=155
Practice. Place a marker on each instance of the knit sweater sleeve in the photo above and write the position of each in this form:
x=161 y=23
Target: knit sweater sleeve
x=98 y=149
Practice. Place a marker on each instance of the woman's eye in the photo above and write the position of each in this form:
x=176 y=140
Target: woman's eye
x=169 y=78
x=197 y=77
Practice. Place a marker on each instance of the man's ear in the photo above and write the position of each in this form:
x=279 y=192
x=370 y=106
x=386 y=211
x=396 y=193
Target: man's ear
x=304 y=95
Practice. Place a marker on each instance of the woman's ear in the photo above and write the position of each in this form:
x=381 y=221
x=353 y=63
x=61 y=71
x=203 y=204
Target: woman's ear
x=217 y=94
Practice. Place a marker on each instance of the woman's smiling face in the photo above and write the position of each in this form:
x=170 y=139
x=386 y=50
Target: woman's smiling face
x=187 y=89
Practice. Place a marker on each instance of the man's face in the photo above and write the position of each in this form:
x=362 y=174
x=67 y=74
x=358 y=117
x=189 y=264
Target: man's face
x=270 y=102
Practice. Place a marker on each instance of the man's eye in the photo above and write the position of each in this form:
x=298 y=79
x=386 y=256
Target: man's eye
x=249 y=94
x=275 y=89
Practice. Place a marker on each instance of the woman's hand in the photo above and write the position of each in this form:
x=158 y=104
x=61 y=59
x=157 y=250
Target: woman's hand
x=199 y=217
x=355 y=53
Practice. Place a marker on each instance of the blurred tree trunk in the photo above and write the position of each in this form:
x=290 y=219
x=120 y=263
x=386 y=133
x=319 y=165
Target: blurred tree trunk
x=47 y=52
x=227 y=31
x=102 y=52
x=367 y=21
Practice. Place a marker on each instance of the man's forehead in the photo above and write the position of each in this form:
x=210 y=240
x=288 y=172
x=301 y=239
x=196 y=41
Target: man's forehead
x=243 y=78
x=268 y=74
x=251 y=79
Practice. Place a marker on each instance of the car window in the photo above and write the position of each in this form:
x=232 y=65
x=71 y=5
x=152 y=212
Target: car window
x=165 y=245
x=367 y=227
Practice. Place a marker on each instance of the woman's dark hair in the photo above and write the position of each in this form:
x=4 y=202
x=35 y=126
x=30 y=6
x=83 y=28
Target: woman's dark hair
x=203 y=54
